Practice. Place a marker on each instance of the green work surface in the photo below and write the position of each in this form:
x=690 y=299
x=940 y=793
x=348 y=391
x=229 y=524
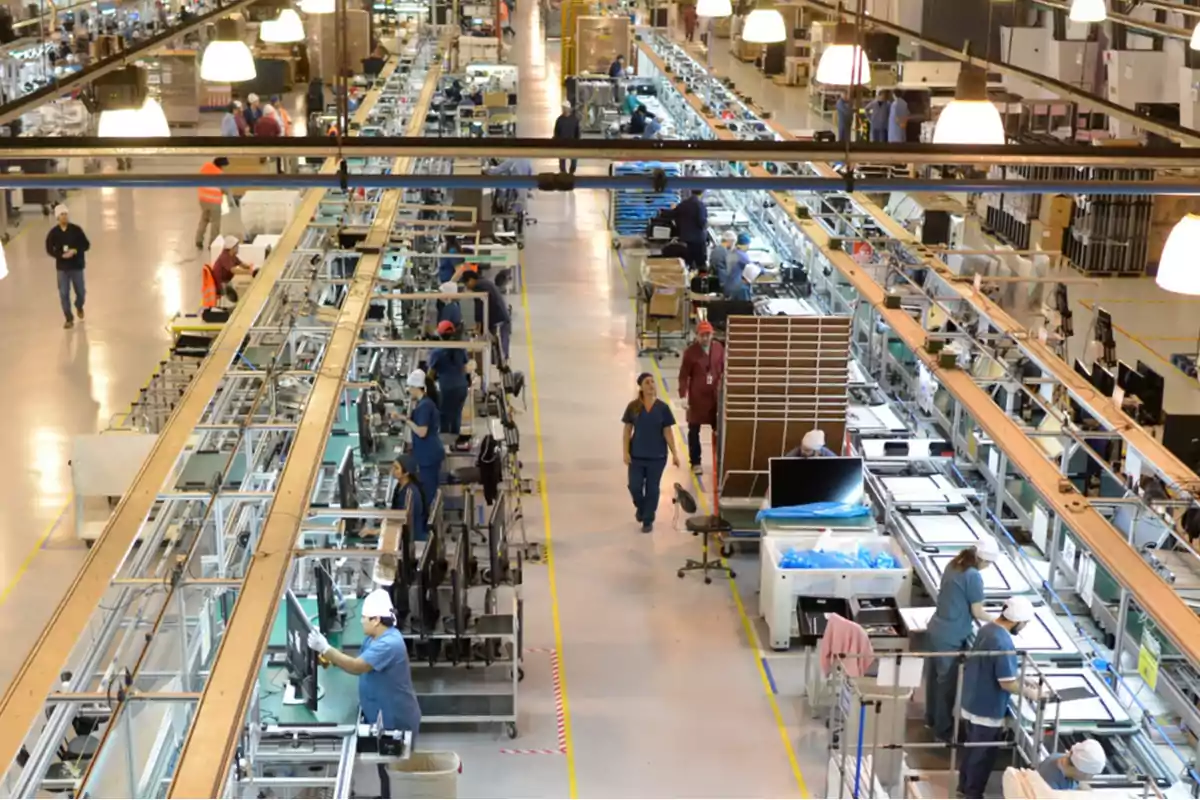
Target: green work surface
x=351 y=638
x=199 y=469
x=338 y=704
x=336 y=446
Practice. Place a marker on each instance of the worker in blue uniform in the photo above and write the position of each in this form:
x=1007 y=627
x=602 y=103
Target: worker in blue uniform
x=1064 y=772
x=449 y=310
x=647 y=437
x=989 y=679
x=739 y=257
x=448 y=267
x=448 y=366
x=385 y=685
x=812 y=446
x=743 y=290
x=959 y=604
x=720 y=254
x=425 y=423
x=408 y=496
x=691 y=221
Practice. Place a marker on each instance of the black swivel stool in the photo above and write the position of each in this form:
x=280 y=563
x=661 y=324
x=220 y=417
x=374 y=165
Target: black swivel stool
x=704 y=526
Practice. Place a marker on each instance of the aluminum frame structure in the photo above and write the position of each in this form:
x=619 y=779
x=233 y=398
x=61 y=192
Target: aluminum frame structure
x=821 y=245
x=134 y=638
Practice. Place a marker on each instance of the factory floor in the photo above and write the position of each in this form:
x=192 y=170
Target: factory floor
x=637 y=683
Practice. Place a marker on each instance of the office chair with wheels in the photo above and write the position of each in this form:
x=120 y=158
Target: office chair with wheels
x=704 y=526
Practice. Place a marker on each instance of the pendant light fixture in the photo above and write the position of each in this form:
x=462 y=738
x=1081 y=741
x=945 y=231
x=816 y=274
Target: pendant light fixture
x=714 y=8
x=126 y=107
x=844 y=63
x=318 y=6
x=1195 y=43
x=970 y=118
x=1087 y=11
x=764 y=26
x=284 y=29
x=227 y=59
x=1178 y=269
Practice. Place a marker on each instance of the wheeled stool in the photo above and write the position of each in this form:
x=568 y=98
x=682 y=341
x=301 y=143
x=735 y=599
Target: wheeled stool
x=704 y=526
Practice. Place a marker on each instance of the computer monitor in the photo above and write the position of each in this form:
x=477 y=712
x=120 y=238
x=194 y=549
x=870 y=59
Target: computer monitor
x=1129 y=379
x=302 y=688
x=1153 y=388
x=329 y=618
x=347 y=490
x=1077 y=412
x=798 y=481
x=366 y=431
x=1103 y=380
x=497 y=543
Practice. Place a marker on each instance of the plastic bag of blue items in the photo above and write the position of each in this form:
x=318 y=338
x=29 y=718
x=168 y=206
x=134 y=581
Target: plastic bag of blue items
x=825 y=510
x=861 y=558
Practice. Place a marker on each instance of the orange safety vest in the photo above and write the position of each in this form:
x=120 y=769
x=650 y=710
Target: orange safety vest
x=208 y=287
x=210 y=194
x=285 y=121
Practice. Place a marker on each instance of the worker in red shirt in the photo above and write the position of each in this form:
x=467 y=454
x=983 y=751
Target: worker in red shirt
x=224 y=268
x=268 y=124
x=700 y=386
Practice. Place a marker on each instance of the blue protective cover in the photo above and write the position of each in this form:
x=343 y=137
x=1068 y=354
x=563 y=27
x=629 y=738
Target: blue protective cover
x=816 y=559
x=823 y=510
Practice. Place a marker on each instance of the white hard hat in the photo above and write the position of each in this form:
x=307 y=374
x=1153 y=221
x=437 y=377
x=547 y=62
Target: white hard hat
x=751 y=272
x=813 y=440
x=566 y=106
x=449 y=287
x=1088 y=757
x=1018 y=609
x=987 y=548
x=377 y=604
x=729 y=236
x=252 y=98
x=268 y=110
x=60 y=209
x=230 y=242
x=416 y=379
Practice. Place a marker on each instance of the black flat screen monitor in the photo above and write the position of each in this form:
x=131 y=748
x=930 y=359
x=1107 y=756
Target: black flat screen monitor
x=1129 y=379
x=1153 y=388
x=328 y=617
x=497 y=542
x=301 y=659
x=347 y=490
x=1103 y=380
x=798 y=481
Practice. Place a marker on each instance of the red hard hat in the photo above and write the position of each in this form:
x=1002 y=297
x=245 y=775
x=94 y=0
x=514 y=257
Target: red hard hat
x=444 y=327
x=704 y=327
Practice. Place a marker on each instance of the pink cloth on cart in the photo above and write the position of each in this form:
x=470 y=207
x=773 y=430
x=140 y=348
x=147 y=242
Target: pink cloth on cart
x=848 y=638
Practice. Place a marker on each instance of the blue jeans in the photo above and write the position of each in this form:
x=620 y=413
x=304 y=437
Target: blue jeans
x=453 y=400
x=645 y=475
x=66 y=279
x=429 y=476
x=977 y=762
x=941 y=688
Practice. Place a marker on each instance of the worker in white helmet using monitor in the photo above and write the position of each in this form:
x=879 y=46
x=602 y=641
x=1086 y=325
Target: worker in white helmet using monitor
x=812 y=446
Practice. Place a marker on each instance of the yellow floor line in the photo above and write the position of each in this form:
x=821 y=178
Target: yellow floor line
x=32 y=554
x=747 y=624
x=572 y=783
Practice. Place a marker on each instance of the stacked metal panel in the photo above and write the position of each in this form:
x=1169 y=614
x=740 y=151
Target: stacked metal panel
x=632 y=209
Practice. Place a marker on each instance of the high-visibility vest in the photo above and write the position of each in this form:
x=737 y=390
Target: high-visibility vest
x=285 y=121
x=210 y=194
x=208 y=287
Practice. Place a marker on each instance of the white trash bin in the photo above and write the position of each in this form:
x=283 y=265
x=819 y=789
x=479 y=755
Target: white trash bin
x=425 y=775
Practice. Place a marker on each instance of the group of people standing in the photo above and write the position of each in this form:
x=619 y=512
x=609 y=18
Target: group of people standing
x=255 y=118
x=887 y=117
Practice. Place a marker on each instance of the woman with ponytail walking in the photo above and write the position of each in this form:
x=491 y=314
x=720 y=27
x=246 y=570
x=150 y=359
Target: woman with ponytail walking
x=647 y=437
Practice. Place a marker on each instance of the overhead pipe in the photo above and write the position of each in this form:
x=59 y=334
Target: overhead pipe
x=1176 y=133
x=23 y=105
x=391 y=147
x=553 y=181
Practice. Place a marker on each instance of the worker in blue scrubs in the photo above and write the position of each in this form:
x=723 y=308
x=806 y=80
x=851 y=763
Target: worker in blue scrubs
x=425 y=423
x=739 y=259
x=648 y=435
x=988 y=682
x=449 y=310
x=448 y=366
x=812 y=446
x=959 y=604
x=448 y=267
x=408 y=496
x=385 y=686
x=743 y=288
x=1065 y=772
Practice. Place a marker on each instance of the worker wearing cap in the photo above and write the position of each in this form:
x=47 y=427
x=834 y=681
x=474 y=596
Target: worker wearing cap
x=959 y=604
x=253 y=111
x=989 y=679
x=385 y=685
x=66 y=243
x=498 y=319
x=700 y=386
x=227 y=264
x=743 y=288
x=720 y=254
x=812 y=446
x=739 y=259
x=408 y=495
x=449 y=310
x=1064 y=772
x=425 y=423
x=448 y=366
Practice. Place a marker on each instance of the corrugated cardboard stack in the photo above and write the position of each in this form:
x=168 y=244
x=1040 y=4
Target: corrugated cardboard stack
x=667 y=279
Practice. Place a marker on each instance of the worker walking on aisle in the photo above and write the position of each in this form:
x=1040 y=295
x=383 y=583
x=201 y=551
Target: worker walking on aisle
x=647 y=437
x=1064 y=772
x=691 y=222
x=448 y=366
x=498 y=319
x=567 y=128
x=700 y=387
x=425 y=423
x=989 y=679
x=959 y=604
x=66 y=243
x=210 y=204
x=385 y=686
x=812 y=446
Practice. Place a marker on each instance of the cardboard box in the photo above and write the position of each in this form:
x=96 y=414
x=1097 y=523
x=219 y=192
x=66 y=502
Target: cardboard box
x=1055 y=210
x=495 y=99
x=668 y=279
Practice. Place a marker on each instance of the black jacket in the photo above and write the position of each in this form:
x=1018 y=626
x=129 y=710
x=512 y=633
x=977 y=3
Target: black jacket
x=691 y=219
x=72 y=238
x=567 y=127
